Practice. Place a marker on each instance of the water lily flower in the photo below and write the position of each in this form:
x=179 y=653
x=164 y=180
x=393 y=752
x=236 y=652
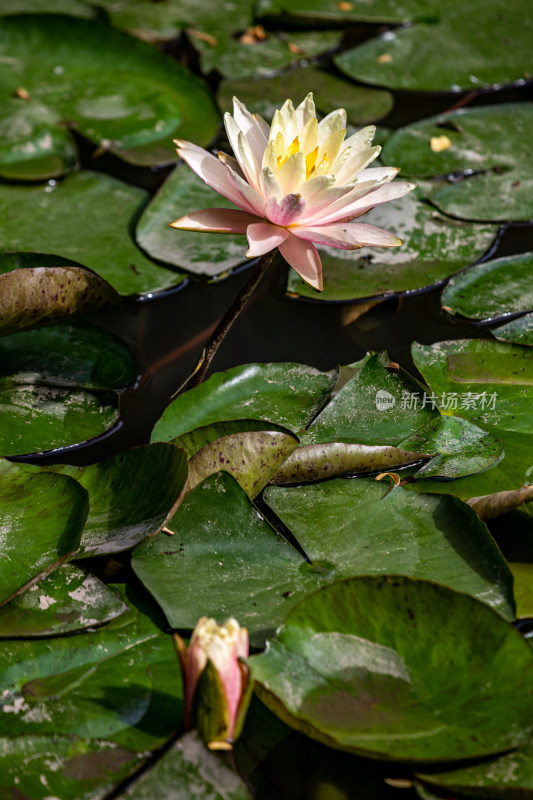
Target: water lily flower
x=216 y=682
x=295 y=182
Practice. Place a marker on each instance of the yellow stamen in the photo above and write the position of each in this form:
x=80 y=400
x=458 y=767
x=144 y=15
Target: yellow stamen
x=310 y=162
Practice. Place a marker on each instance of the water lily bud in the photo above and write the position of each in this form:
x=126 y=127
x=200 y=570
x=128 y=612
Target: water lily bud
x=217 y=685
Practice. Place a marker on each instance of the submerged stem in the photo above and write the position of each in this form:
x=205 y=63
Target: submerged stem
x=223 y=327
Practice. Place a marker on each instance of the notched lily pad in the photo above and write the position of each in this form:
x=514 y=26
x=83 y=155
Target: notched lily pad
x=53 y=386
x=488 y=153
x=62 y=213
x=399 y=669
x=446 y=47
x=131 y=494
x=491 y=289
x=134 y=104
x=67 y=600
x=286 y=394
x=363 y=105
x=42 y=518
x=434 y=247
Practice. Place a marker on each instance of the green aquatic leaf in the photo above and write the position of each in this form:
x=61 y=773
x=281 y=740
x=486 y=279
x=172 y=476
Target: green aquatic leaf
x=42 y=518
x=497 y=179
x=67 y=600
x=62 y=766
x=434 y=248
x=488 y=384
x=121 y=682
x=519 y=331
x=202 y=253
x=131 y=496
x=446 y=47
x=363 y=105
x=187 y=770
x=62 y=214
x=285 y=394
x=358 y=528
x=400 y=669
x=133 y=105
x=491 y=289
x=54 y=386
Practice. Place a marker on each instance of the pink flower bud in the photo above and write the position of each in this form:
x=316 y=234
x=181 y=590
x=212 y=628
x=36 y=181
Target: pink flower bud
x=216 y=682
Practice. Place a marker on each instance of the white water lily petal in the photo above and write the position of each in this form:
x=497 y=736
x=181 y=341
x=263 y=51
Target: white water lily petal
x=269 y=186
x=246 y=159
x=262 y=124
x=230 y=161
x=290 y=124
x=356 y=163
x=249 y=124
x=215 y=220
x=304 y=257
x=291 y=175
x=382 y=194
x=305 y=111
x=252 y=201
x=210 y=170
x=264 y=237
x=339 y=199
x=372 y=236
x=342 y=236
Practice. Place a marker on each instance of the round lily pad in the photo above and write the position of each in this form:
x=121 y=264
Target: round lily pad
x=41 y=518
x=483 y=148
x=399 y=669
x=63 y=212
x=134 y=104
x=330 y=92
x=434 y=247
x=491 y=289
x=447 y=47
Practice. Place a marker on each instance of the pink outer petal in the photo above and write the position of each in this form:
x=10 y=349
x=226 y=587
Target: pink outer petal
x=210 y=170
x=348 y=235
x=287 y=211
x=216 y=220
x=250 y=200
x=263 y=237
x=304 y=257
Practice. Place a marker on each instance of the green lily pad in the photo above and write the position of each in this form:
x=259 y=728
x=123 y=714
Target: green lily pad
x=42 y=517
x=523 y=575
x=131 y=496
x=487 y=144
x=62 y=766
x=447 y=47
x=195 y=440
x=489 y=384
x=264 y=57
x=75 y=8
x=434 y=248
x=252 y=457
x=113 y=683
x=202 y=253
x=62 y=214
x=285 y=394
x=400 y=669
x=381 y=404
x=508 y=776
x=358 y=528
x=224 y=560
x=188 y=770
x=67 y=600
x=519 y=331
x=45 y=379
x=463 y=448
x=363 y=105
x=133 y=105
x=372 y=11
x=30 y=298
x=492 y=289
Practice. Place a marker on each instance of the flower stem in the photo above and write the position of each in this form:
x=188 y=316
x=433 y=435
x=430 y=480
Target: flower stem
x=223 y=327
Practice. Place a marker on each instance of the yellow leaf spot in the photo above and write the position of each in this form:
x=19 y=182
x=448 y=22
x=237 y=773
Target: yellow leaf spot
x=395 y=478
x=204 y=37
x=384 y=58
x=22 y=93
x=439 y=143
x=253 y=35
x=343 y=6
x=294 y=48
